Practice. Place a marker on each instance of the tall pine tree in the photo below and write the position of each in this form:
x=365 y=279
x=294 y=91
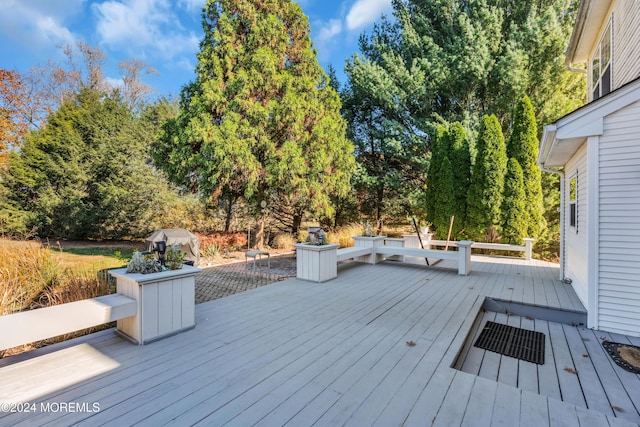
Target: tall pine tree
x=523 y=146
x=260 y=116
x=484 y=199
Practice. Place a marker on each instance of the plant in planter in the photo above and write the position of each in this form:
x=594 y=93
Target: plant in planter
x=143 y=263
x=174 y=258
x=317 y=238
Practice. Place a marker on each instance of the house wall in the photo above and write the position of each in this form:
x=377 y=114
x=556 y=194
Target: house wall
x=625 y=44
x=618 y=290
x=576 y=238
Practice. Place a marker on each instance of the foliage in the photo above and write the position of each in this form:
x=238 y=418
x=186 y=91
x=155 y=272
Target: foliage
x=392 y=160
x=343 y=235
x=143 y=263
x=515 y=216
x=260 y=118
x=174 y=257
x=13 y=98
x=440 y=148
x=283 y=241
x=87 y=172
x=27 y=268
x=523 y=146
x=33 y=274
x=222 y=241
x=445 y=200
x=451 y=143
x=484 y=199
x=450 y=61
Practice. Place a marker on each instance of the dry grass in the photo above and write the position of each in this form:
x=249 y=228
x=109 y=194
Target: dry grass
x=32 y=276
x=342 y=235
x=283 y=241
x=26 y=269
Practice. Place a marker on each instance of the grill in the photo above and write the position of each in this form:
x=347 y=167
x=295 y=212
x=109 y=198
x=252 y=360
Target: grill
x=510 y=341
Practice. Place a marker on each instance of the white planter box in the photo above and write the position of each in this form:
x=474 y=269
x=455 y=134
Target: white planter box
x=166 y=303
x=369 y=242
x=316 y=263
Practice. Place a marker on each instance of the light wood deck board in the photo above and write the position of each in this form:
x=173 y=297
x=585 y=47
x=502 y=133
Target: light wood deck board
x=299 y=353
x=599 y=381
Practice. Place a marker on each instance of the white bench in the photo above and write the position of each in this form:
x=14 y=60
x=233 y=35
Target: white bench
x=352 y=252
x=47 y=322
x=526 y=248
x=463 y=255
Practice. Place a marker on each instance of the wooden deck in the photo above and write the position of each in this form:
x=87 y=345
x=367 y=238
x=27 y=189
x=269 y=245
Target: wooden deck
x=301 y=353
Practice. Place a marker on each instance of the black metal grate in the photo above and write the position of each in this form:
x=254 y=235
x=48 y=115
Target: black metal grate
x=513 y=342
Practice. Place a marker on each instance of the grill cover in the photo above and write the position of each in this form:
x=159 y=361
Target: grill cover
x=186 y=241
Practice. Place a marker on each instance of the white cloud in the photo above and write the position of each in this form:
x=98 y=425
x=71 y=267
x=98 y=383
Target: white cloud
x=329 y=30
x=115 y=82
x=192 y=5
x=143 y=28
x=366 y=12
x=37 y=23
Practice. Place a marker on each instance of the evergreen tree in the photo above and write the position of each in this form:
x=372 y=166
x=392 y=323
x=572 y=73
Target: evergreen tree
x=440 y=148
x=514 y=212
x=260 y=116
x=484 y=200
x=523 y=146
x=444 y=200
x=461 y=166
x=87 y=173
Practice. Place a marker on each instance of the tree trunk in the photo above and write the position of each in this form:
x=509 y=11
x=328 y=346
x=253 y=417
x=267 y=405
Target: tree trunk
x=295 y=226
x=228 y=214
x=260 y=232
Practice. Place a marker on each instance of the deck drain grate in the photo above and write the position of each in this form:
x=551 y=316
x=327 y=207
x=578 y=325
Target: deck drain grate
x=510 y=341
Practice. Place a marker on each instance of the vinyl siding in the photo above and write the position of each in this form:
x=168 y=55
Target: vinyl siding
x=576 y=237
x=626 y=42
x=619 y=223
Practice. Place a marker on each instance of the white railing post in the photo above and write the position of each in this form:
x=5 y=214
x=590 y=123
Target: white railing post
x=464 y=257
x=528 y=244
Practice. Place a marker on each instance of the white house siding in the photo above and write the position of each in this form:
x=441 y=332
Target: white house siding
x=576 y=267
x=619 y=244
x=626 y=42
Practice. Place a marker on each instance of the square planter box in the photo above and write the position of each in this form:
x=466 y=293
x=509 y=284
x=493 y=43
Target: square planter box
x=166 y=303
x=316 y=263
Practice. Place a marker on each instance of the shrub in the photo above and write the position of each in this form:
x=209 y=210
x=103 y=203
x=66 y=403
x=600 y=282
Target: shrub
x=222 y=241
x=283 y=241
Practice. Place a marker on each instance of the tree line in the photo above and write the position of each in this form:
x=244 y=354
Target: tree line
x=419 y=128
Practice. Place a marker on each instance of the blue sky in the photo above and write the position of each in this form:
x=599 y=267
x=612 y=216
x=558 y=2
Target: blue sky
x=163 y=33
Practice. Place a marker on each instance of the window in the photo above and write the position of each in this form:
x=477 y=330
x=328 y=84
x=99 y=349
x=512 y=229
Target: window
x=573 y=202
x=601 y=66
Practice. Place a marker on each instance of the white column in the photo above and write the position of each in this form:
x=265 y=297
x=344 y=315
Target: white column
x=464 y=257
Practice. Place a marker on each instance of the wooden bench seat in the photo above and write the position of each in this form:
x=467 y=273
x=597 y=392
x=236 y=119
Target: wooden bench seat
x=462 y=256
x=47 y=322
x=352 y=252
x=417 y=252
